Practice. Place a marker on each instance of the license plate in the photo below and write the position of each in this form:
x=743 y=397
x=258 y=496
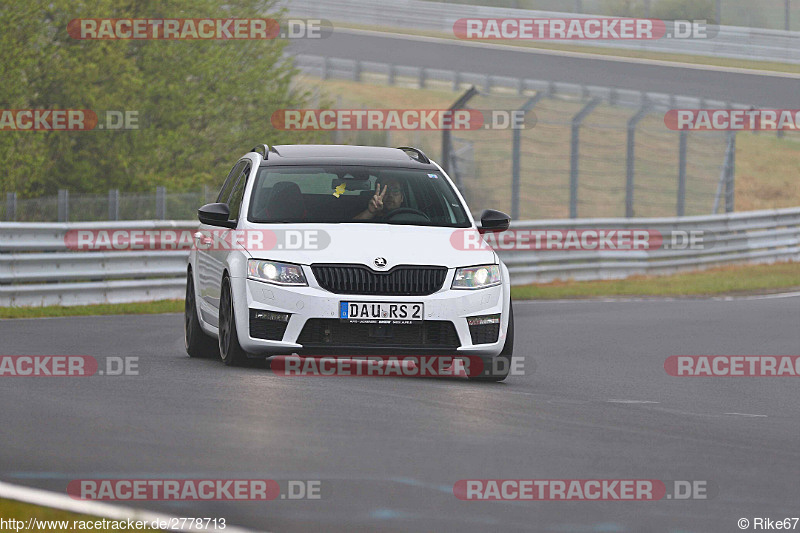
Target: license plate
x=381 y=312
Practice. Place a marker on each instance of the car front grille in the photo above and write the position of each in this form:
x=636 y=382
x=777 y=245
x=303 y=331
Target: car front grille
x=402 y=280
x=334 y=333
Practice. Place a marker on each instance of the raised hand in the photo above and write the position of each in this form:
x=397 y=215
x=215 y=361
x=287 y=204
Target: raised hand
x=376 y=202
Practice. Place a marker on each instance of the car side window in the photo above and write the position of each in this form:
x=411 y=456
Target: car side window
x=230 y=181
x=237 y=194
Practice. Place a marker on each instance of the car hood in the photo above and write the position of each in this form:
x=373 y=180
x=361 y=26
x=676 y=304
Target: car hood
x=363 y=243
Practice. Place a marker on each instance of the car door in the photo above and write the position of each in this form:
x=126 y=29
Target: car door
x=218 y=255
x=209 y=272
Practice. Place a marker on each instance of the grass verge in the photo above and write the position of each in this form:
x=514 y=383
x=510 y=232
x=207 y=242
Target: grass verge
x=10 y=509
x=728 y=280
x=139 y=308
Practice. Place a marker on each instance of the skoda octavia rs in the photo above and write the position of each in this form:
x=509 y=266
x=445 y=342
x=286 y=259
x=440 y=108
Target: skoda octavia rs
x=346 y=250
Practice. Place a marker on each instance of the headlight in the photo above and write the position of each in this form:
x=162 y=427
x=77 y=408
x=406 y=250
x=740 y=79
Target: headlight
x=274 y=272
x=477 y=277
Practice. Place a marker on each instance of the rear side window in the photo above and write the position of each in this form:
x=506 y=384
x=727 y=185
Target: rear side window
x=237 y=194
x=227 y=187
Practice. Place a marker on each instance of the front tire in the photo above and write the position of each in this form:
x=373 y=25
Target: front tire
x=497 y=368
x=230 y=350
x=197 y=342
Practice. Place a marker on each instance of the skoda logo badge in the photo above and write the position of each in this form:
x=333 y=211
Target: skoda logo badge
x=380 y=262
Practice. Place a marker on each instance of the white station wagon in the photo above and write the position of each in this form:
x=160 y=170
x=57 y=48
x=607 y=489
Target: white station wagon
x=345 y=251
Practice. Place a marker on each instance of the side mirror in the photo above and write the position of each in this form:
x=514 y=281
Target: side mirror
x=216 y=215
x=495 y=221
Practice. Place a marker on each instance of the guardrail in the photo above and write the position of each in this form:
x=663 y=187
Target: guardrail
x=37 y=269
x=731 y=41
x=747 y=237
x=354 y=69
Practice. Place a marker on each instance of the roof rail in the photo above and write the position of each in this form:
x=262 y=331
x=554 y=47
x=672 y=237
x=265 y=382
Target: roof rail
x=264 y=150
x=420 y=155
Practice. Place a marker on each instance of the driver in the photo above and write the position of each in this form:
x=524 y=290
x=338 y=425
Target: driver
x=384 y=200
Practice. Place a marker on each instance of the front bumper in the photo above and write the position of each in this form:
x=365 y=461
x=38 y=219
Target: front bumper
x=312 y=303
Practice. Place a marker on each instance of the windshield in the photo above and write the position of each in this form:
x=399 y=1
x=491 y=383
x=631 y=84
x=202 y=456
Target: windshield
x=355 y=194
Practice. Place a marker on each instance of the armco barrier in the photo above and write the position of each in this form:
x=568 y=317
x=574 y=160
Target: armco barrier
x=37 y=269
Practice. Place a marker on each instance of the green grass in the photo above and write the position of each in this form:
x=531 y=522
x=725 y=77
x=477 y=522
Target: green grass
x=139 y=308
x=10 y=509
x=600 y=50
x=718 y=281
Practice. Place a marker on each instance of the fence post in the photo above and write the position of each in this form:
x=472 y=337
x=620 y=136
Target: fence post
x=724 y=177
x=63 y=205
x=719 y=12
x=730 y=179
x=578 y=6
x=325 y=67
x=630 y=166
x=488 y=87
x=113 y=204
x=682 y=146
x=456 y=80
x=357 y=71
x=206 y=189
x=446 y=133
x=161 y=203
x=575 y=155
x=11 y=206
x=515 y=155
x=422 y=77
x=787 y=14
x=391 y=75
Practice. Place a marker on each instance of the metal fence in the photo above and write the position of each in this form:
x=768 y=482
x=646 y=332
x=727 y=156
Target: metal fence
x=36 y=268
x=731 y=41
x=585 y=151
x=115 y=205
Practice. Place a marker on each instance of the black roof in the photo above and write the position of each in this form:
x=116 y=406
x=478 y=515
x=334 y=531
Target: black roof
x=338 y=154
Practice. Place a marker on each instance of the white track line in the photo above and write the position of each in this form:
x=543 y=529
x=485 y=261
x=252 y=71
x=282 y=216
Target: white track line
x=100 y=509
x=580 y=55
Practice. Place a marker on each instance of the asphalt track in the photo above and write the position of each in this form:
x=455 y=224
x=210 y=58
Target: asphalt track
x=775 y=91
x=389 y=449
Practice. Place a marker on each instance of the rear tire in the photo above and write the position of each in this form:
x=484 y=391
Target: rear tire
x=497 y=368
x=230 y=350
x=197 y=342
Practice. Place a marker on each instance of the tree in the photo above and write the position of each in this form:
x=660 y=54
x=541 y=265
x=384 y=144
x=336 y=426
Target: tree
x=200 y=103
